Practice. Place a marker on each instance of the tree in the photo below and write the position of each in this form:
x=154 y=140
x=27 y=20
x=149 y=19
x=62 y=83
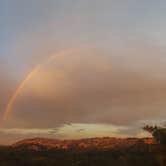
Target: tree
x=159 y=133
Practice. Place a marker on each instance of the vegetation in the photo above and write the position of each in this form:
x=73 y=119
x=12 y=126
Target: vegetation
x=117 y=157
x=159 y=133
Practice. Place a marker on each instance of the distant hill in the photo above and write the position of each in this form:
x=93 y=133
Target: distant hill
x=84 y=152
x=105 y=143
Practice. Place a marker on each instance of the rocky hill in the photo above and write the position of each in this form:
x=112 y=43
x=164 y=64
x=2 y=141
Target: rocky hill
x=105 y=143
x=84 y=152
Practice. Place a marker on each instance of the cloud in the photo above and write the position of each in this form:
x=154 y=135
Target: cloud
x=72 y=131
x=30 y=131
x=87 y=86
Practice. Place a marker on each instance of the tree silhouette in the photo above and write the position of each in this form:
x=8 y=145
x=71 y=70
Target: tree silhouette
x=159 y=133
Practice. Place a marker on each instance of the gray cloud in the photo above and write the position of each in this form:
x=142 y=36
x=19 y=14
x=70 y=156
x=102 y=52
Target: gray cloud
x=91 y=87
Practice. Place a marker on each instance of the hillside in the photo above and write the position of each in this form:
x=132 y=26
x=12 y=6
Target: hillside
x=105 y=143
x=85 y=152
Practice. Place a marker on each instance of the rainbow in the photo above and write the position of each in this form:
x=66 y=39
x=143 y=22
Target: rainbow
x=21 y=86
x=18 y=90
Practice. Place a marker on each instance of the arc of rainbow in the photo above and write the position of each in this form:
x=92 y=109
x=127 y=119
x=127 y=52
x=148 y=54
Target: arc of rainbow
x=17 y=92
x=22 y=84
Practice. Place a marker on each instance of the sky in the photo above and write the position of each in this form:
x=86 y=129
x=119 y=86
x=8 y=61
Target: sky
x=83 y=68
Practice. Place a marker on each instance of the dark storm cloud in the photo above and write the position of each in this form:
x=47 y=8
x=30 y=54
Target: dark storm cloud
x=91 y=87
